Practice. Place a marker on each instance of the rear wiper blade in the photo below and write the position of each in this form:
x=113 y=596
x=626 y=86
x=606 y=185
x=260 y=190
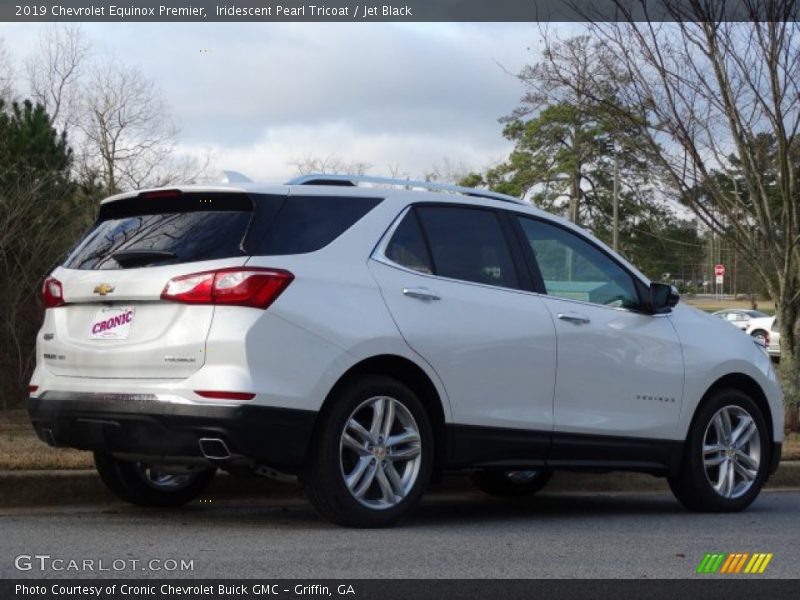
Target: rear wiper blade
x=127 y=257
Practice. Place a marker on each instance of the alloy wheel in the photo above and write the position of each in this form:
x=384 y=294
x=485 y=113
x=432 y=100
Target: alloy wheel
x=160 y=480
x=380 y=452
x=731 y=451
x=521 y=476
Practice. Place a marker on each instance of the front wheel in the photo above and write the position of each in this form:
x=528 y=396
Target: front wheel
x=726 y=456
x=144 y=484
x=373 y=454
x=761 y=336
x=510 y=483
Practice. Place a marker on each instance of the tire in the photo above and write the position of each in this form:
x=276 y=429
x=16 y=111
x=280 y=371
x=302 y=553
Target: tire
x=694 y=486
x=760 y=333
x=509 y=484
x=341 y=449
x=142 y=485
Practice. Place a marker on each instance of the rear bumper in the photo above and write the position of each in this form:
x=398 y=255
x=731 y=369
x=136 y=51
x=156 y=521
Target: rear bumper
x=143 y=425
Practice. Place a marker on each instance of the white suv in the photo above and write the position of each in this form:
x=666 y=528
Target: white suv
x=367 y=338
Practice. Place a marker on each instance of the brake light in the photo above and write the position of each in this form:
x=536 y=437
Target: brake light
x=52 y=293
x=237 y=286
x=225 y=395
x=159 y=194
x=32 y=388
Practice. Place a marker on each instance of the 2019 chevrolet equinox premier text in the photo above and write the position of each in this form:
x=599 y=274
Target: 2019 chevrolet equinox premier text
x=368 y=338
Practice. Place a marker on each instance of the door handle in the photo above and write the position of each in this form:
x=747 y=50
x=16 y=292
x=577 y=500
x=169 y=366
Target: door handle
x=573 y=318
x=421 y=292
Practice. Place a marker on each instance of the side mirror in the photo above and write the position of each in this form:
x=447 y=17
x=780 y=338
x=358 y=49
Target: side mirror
x=663 y=297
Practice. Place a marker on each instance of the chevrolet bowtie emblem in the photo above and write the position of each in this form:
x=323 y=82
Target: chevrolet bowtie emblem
x=103 y=289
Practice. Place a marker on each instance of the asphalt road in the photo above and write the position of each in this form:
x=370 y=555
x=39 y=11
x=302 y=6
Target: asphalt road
x=450 y=536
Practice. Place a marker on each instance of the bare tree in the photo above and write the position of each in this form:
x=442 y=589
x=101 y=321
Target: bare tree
x=396 y=172
x=130 y=139
x=55 y=70
x=330 y=164
x=717 y=108
x=6 y=73
x=447 y=171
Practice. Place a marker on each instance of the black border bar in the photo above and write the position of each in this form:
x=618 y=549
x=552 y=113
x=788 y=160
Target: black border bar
x=706 y=587
x=356 y=11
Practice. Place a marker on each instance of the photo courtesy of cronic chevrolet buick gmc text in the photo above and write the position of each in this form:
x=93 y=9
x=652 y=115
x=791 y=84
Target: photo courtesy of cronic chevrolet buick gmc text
x=367 y=335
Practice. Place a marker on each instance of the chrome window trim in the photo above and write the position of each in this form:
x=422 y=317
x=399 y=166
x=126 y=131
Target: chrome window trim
x=379 y=255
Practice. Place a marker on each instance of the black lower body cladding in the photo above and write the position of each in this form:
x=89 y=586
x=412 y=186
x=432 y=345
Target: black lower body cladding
x=147 y=426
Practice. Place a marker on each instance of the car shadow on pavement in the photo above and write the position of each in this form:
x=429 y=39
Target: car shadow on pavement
x=435 y=509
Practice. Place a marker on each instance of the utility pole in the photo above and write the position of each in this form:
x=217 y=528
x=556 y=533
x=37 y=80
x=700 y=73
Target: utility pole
x=612 y=147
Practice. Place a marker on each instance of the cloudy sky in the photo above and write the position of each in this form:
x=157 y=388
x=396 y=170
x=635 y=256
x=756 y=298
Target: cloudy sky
x=263 y=95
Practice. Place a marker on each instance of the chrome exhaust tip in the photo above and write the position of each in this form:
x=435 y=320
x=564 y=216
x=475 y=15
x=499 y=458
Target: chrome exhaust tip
x=214 y=449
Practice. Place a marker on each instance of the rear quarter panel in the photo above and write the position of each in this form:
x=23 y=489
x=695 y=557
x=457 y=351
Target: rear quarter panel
x=329 y=319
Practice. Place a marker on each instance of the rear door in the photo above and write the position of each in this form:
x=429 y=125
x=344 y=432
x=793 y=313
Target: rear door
x=114 y=323
x=455 y=294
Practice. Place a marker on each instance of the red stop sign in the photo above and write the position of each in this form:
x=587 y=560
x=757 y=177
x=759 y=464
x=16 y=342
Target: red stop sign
x=719 y=269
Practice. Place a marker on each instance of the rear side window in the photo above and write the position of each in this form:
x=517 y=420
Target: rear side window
x=407 y=246
x=468 y=244
x=309 y=223
x=146 y=232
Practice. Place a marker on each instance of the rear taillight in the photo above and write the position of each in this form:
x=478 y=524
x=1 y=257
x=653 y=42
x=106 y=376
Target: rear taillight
x=237 y=286
x=32 y=388
x=52 y=293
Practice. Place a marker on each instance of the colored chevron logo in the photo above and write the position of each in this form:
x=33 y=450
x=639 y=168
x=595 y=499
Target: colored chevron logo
x=728 y=564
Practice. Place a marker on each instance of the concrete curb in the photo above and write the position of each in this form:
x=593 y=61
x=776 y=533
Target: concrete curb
x=60 y=488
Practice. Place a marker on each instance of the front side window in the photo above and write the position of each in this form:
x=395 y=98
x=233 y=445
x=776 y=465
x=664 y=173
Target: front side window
x=573 y=268
x=468 y=244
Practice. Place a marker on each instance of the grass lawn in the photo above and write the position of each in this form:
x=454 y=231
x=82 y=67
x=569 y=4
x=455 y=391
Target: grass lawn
x=20 y=448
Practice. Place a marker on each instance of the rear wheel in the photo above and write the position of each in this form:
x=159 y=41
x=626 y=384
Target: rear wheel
x=511 y=483
x=761 y=335
x=148 y=485
x=373 y=454
x=726 y=456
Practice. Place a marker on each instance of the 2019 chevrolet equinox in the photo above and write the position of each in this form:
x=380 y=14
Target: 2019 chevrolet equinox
x=368 y=334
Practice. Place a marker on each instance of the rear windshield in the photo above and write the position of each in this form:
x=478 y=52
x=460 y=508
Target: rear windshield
x=148 y=232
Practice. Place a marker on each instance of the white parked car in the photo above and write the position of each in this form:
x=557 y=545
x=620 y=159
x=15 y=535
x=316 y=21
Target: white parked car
x=740 y=317
x=369 y=338
x=767 y=332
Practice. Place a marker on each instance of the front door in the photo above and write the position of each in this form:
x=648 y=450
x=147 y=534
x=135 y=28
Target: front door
x=620 y=370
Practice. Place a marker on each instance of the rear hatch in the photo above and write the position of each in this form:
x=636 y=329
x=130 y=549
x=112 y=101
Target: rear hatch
x=114 y=323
